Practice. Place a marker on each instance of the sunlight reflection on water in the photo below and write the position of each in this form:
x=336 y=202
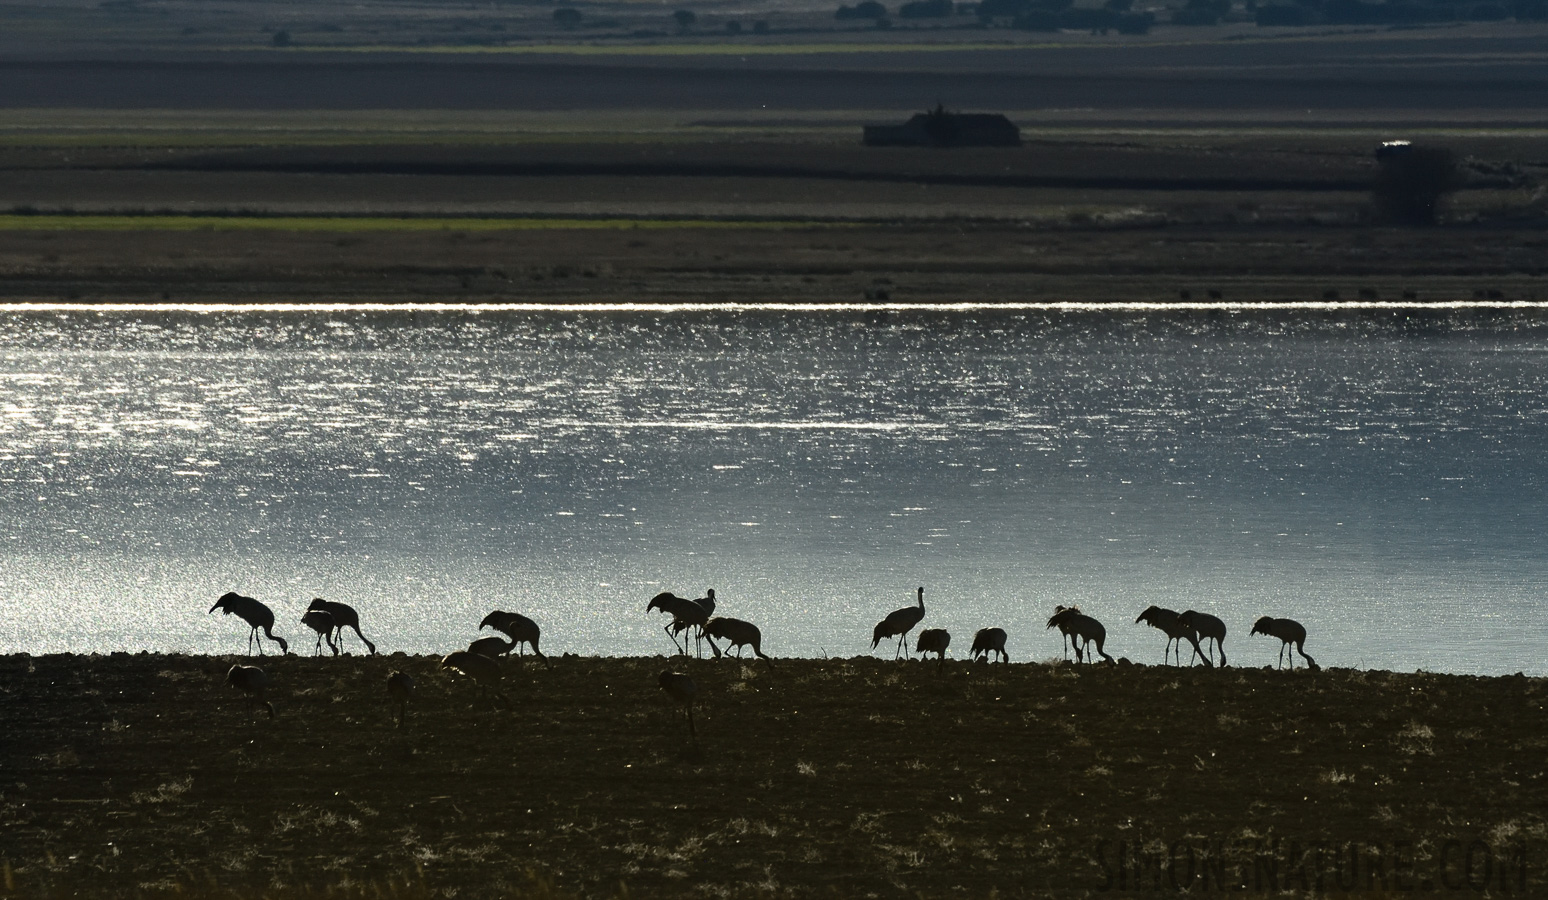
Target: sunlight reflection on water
x=1376 y=475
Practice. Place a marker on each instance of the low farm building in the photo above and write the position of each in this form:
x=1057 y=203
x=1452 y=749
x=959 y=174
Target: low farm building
x=940 y=128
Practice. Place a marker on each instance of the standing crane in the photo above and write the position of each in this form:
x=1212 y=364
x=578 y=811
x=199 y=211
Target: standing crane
x=898 y=624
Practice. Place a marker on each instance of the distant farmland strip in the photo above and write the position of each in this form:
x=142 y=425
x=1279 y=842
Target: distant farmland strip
x=255 y=222
x=548 y=169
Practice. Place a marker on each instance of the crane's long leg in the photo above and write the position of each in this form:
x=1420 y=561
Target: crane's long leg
x=673 y=639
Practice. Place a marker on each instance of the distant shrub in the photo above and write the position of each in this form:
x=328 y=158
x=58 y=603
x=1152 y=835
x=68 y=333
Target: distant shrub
x=1195 y=17
x=1135 y=23
x=733 y=27
x=760 y=27
x=1410 y=184
x=1037 y=20
x=281 y=38
x=869 y=9
x=567 y=17
x=1083 y=19
x=684 y=18
x=1001 y=9
x=1277 y=15
x=927 y=9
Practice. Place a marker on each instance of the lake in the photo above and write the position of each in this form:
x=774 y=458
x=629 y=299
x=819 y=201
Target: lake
x=1376 y=475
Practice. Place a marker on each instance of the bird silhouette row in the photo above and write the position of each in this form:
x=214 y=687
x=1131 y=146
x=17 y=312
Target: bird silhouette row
x=695 y=618
x=1082 y=634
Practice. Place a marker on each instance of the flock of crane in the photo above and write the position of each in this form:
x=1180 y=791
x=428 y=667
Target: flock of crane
x=696 y=618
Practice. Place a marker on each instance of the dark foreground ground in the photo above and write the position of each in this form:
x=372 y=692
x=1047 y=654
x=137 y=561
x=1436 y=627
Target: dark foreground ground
x=144 y=775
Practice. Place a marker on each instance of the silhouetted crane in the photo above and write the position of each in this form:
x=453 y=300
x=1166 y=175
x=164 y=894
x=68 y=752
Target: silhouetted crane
x=400 y=685
x=252 y=681
x=685 y=614
x=1170 y=622
x=898 y=624
x=987 y=642
x=682 y=689
x=1289 y=632
x=254 y=614
x=1078 y=625
x=739 y=634
x=518 y=628
x=1208 y=628
x=344 y=616
x=321 y=621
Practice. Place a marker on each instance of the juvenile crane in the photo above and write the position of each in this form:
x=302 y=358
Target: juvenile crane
x=933 y=640
x=1170 y=622
x=738 y=634
x=1082 y=628
x=321 y=621
x=252 y=681
x=987 y=642
x=518 y=628
x=255 y=614
x=898 y=624
x=344 y=616
x=682 y=689
x=1289 y=632
x=400 y=686
x=1209 y=629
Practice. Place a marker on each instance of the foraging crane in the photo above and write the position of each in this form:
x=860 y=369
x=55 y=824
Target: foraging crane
x=1208 y=628
x=518 y=628
x=1068 y=640
x=344 y=616
x=989 y=641
x=685 y=614
x=738 y=633
x=321 y=621
x=1076 y=624
x=252 y=681
x=254 y=614
x=492 y=647
x=1170 y=621
x=1289 y=632
x=484 y=671
x=933 y=640
x=682 y=689
x=898 y=624
x=400 y=685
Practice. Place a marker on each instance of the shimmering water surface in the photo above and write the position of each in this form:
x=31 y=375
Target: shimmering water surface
x=1379 y=478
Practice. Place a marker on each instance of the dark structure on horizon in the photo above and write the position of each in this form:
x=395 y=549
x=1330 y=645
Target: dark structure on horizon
x=942 y=128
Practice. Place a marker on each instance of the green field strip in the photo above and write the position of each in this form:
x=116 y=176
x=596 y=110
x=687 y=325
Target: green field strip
x=673 y=49
x=51 y=222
